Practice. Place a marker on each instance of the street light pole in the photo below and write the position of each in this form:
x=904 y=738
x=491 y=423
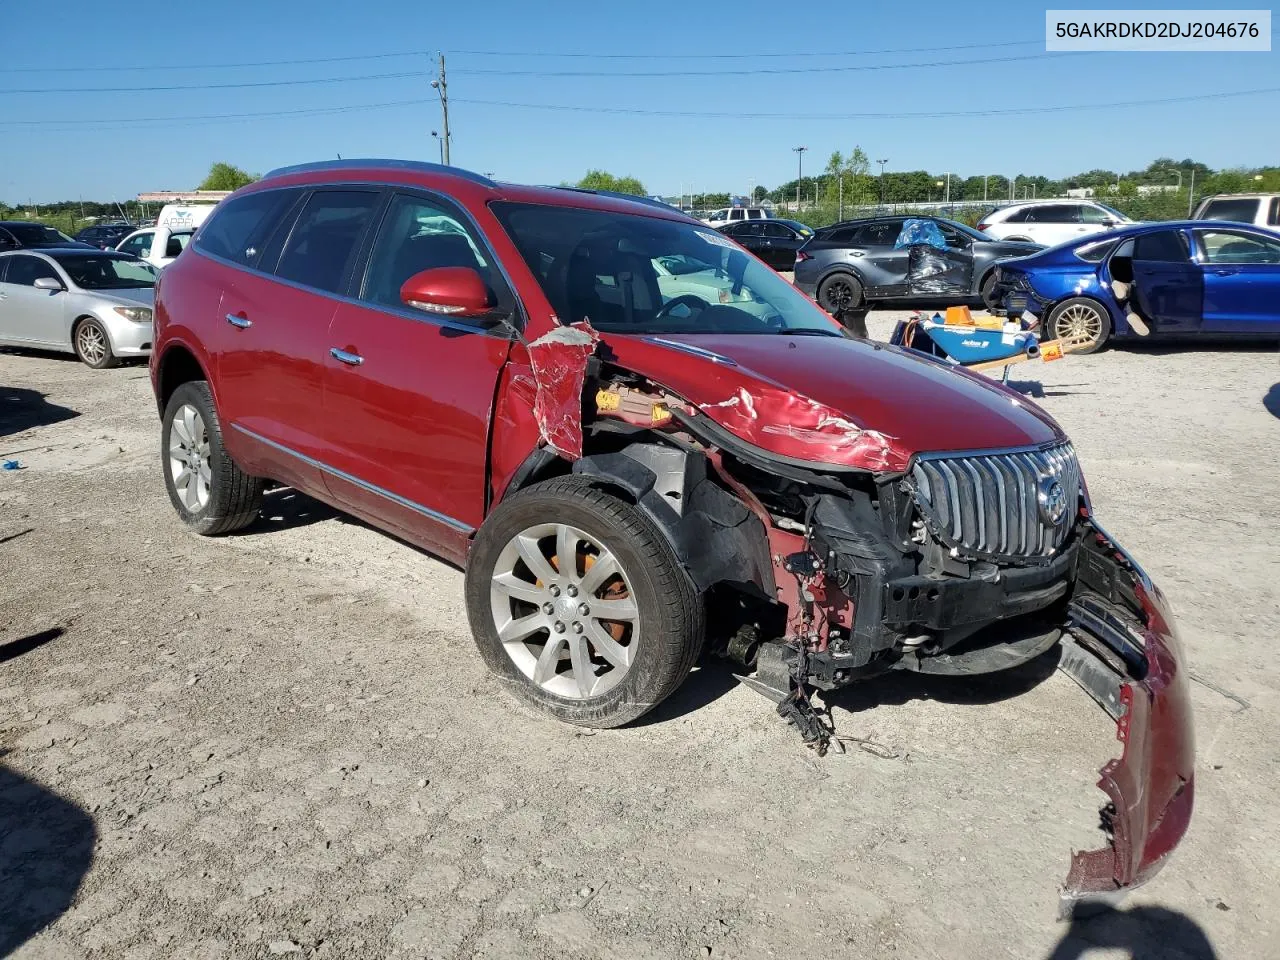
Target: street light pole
x=799 y=152
x=882 y=163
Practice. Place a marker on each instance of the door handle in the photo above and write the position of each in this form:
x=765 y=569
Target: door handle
x=1225 y=272
x=856 y=253
x=244 y=323
x=343 y=356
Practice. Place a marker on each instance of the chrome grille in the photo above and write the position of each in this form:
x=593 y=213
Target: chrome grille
x=987 y=504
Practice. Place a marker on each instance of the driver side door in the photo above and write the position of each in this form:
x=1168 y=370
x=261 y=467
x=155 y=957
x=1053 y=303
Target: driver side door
x=408 y=394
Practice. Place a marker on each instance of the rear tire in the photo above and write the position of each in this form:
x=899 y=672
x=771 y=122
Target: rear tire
x=538 y=623
x=1080 y=319
x=92 y=344
x=839 y=292
x=211 y=494
x=987 y=292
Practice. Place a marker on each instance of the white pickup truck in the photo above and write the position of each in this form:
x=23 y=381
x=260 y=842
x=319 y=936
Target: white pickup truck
x=161 y=244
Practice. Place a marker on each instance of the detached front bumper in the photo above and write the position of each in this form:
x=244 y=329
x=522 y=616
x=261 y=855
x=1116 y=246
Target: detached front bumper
x=1124 y=652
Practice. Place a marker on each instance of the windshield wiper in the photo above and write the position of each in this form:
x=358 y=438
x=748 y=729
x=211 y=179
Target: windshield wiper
x=809 y=332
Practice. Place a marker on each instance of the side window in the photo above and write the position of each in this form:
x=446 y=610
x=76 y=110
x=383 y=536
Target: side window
x=1222 y=247
x=27 y=270
x=139 y=246
x=238 y=228
x=1018 y=216
x=1273 y=216
x=7 y=242
x=1054 y=213
x=1091 y=214
x=840 y=234
x=322 y=247
x=777 y=231
x=1163 y=246
x=883 y=234
x=749 y=228
x=755 y=214
x=418 y=235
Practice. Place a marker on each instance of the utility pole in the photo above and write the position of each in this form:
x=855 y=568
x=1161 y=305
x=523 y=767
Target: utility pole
x=984 y=188
x=441 y=86
x=799 y=152
x=840 y=216
x=1191 y=196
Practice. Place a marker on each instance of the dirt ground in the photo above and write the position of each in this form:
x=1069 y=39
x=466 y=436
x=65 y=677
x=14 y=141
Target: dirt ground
x=282 y=743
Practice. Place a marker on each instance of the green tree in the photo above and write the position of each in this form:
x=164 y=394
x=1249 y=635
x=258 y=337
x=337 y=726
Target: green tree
x=224 y=176
x=759 y=193
x=603 y=180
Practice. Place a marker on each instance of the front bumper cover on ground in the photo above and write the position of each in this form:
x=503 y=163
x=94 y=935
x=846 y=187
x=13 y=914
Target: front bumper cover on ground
x=1132 y=665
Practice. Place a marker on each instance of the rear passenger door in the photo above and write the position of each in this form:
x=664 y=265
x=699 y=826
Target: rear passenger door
x=883 y=267
x=297 y=252
x=1168 y=289
x=408 y=394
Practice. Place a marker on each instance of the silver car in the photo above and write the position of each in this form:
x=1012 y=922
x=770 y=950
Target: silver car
x=96 y=304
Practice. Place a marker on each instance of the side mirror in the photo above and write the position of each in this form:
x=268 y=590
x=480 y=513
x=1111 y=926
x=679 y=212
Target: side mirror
x=450 y=291
x=48 y=283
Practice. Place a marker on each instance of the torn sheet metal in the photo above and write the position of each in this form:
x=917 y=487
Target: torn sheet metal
x=559 y=360
x=810 y=430
x=1151 y=786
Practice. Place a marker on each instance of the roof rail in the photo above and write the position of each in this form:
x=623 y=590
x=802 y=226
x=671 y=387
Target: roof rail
x=420 y=166
x=623 y=196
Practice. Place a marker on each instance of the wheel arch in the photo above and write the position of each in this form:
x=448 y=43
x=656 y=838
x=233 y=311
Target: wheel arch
x=715 y=536
x=176 y=366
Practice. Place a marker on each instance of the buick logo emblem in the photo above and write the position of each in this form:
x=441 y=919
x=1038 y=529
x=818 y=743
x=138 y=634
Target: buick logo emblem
x=1051 y=500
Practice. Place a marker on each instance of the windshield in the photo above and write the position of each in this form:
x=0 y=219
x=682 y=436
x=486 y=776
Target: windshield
x=108 y=273
x=31 y=234
x=635 y=274
x=1114 y=212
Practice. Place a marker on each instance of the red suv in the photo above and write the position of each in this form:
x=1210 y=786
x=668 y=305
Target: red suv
x=640 y=441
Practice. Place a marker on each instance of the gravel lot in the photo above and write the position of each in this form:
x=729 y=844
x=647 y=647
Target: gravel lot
x=283 y=743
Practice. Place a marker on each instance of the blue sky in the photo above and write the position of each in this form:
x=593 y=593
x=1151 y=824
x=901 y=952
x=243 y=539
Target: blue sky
x=62 y=156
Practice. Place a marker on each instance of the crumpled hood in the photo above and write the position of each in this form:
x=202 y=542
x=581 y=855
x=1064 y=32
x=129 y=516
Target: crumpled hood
x=834 y=400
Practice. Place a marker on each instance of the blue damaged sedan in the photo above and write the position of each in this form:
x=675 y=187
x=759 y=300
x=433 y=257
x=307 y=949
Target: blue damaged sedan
x=1154 y=281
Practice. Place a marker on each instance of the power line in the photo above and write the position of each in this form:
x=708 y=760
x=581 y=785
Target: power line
x=309 y=111
x=695 y=114
x=895 y=115
x=745 y=56
x=808 y=54
x=215 y=66
x=221 y=86
x=765 y=70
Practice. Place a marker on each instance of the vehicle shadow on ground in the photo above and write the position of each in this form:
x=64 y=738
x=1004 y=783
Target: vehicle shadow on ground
x=45 y=851
x=1272 y=400
x=1166 y=348
x=22 y=409
x=1035 y=389
x=710 y=681
x=285 y=509
x=16 y=648
x=902 y=686
x=1143 y=933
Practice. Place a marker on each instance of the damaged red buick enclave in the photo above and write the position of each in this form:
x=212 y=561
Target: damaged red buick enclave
x=642 y=443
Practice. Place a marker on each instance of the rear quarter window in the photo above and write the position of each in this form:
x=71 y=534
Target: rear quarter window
x=238 y=229
x=1238 y=210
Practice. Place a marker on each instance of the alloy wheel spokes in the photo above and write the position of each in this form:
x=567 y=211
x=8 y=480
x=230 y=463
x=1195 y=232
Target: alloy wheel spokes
x=564 y=611
x=189 y=458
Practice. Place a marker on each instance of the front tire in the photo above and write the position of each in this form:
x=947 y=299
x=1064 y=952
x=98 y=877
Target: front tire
x=839 y=292
x=988 y=293
x=1081 y=320
x=211 y=494
x=598 y=640
x=92 y=345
